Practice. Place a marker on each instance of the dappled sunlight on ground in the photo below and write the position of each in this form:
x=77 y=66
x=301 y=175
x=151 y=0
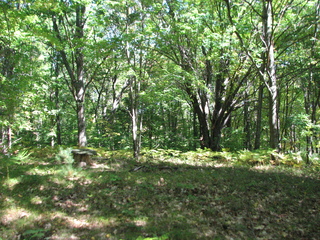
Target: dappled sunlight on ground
x=11 y=215
x=178 y=196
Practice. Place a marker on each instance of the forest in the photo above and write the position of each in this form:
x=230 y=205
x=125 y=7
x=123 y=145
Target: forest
x=204 y=106
x=160 y=74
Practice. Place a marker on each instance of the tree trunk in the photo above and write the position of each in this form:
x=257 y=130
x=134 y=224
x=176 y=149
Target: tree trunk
x=257 y=141
x=218 y=112
x=216 y=137
x=9 y=139
x=77 y=78
x=58 y=119
x=136 y=122
x=274 y=119
x=271 y=80
x=246 y=123
x=82 y=138
x=205 y=139
x=57 y=103
x=79 y=84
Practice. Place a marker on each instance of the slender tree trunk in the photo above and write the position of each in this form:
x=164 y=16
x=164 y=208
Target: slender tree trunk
x=136 y=124
x=9 y=137
x=257 y=141
x=2 y=144
x=274 y=119
x=194 y=143
x=246 y=123
x=271 y=73
x=57 y=106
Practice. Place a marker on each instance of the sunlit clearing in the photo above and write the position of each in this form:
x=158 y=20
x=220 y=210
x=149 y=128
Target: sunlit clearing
x=11 y=182
x=13 y=214
x=36 y=200
x=40 y=172
x=77 y=223
x=140 y=222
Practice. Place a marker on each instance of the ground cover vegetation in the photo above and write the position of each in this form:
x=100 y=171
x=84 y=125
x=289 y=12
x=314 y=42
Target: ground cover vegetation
x=204 y=115
x=164 y=195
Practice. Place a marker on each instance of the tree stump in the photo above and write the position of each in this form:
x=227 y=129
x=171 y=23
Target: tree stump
x=82 y=157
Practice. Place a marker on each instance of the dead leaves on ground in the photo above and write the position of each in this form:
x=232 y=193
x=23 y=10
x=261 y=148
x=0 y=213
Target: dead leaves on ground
x=178 y=201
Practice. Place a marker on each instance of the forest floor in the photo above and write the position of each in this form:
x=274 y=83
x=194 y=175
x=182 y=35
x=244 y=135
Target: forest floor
x=164 y=195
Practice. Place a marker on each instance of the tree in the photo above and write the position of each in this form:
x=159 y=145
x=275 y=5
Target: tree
x=161 y=73
x=77 y=82
x=73 y=42
x=207 y=54
x=18 y=61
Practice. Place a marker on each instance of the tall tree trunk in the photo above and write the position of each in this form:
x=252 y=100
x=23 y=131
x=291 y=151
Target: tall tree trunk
x=57 y=105
x=271 y=80
x=77 y=85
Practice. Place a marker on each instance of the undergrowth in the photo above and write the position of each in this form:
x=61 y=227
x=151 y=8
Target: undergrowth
x=166 y=194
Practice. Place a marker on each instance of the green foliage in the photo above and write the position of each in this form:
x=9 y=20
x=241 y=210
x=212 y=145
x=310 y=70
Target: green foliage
x=64 y=156
x=69 y=171
x=22 y=157
x=234 y=139
x=45 y=152
x=35 y=234
x=177 y=50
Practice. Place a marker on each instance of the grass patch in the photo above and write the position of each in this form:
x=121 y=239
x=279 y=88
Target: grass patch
x=167 y=194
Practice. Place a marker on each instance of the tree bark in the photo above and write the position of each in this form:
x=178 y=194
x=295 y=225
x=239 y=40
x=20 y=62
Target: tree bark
x=136 y=122
x=257 y=141
x=246 y=123
x=271 y=80
x=205 y=139
x=58 y=118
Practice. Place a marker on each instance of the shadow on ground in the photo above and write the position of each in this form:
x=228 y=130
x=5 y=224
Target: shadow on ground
x=163 y=200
